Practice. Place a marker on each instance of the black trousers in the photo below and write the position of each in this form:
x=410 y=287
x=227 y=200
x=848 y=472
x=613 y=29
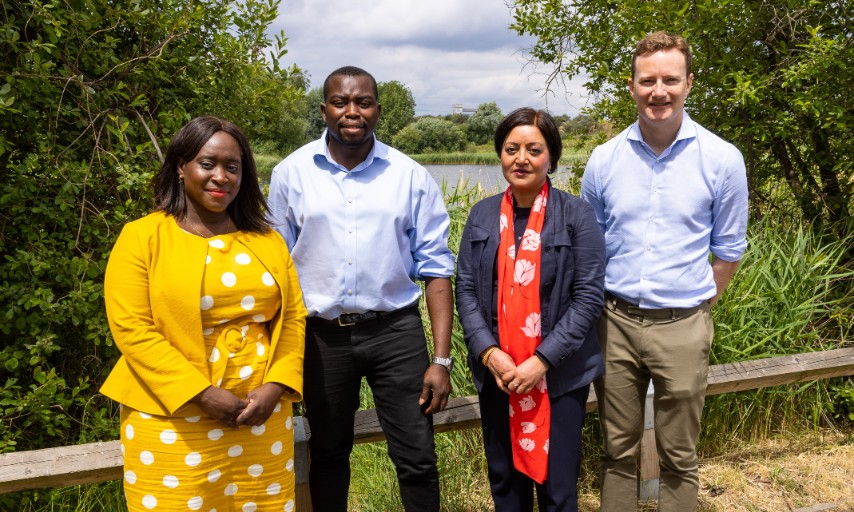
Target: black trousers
x=391 y=353
x=513 y=491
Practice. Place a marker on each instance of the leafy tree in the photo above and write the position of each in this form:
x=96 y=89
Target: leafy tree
x=398 y=109
x=430 y=135
x=90 y=92
x=483 y=122
x=581 y=124
x=314 y=120
x=773 y=77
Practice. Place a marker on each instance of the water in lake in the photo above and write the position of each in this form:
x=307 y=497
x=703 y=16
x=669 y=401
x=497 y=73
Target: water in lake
x=489 y=176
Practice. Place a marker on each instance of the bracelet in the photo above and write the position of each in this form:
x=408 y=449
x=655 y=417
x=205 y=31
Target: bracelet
x=488 y=352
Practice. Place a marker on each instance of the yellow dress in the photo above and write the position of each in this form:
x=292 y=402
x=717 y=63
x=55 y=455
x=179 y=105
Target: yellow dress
x=196 y=463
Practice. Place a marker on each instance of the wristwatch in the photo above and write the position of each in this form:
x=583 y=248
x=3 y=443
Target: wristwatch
x=447 y=362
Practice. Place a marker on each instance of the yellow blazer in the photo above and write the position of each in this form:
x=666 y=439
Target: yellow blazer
x=152 y=290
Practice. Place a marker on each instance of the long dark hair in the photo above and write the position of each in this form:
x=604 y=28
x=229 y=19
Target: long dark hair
x=247 y=209
x=527 y=116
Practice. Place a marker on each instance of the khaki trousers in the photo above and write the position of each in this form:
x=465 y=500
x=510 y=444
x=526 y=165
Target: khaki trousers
x=671 y=348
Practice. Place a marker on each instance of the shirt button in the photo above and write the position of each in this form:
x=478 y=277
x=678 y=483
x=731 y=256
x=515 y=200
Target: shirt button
x=350 y=292
x=350 y=261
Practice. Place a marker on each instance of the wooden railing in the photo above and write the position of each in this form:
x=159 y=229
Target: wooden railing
x=100 y=462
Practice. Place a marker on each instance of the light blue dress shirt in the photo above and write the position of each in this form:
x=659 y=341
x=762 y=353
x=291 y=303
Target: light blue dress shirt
x=662 y=215
x=360 y=238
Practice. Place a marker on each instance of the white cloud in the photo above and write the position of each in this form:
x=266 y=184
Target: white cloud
x=445 y=51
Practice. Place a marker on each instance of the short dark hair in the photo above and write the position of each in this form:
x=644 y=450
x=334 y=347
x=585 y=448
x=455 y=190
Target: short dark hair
x=350 y=71
x=247 y=209
x=527 y=116
x=661 y=41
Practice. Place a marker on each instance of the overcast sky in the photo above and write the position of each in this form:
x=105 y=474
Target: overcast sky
x=445 y=51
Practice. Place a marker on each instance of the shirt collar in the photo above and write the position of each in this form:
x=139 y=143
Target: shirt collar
x=687 y=131
x=321 y=151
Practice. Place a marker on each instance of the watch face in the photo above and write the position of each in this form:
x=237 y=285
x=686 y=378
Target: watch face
x=447 y=362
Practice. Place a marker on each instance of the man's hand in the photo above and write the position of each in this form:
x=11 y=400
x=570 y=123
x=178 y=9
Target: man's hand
x=440 y=307
x=221 y=405
x=261 y=402
x=437 y=387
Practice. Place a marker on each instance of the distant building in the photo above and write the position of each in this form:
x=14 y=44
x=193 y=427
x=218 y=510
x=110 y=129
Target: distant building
x=458 y=108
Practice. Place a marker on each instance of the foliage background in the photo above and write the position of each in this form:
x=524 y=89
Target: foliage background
x=90 y=92
x=773 y=77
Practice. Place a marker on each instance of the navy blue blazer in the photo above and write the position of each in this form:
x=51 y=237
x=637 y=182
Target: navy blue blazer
x=572 y=288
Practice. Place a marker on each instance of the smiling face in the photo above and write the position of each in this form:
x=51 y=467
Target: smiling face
x=525 y=162
x=212 y=177
x=660 y=87
x=351 y=111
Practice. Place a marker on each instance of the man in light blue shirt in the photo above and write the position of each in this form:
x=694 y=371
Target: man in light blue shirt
x=364 y=222
x=666 y=192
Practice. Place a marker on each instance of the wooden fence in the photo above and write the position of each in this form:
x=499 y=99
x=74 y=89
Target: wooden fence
x=100 y=462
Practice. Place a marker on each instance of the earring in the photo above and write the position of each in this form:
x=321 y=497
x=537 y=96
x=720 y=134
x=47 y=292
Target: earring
x=181 y=180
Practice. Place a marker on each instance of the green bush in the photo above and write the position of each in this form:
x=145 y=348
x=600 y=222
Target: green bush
x=90 y=93
x=430 y=134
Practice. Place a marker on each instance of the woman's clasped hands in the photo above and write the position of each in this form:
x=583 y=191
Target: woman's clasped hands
x=511 y=378
x=232 y=411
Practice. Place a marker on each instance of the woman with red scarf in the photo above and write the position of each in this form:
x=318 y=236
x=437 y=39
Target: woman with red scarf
x=530 y=288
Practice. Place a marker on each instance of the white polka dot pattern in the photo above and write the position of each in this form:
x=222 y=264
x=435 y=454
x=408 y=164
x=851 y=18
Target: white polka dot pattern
x=276 y=449
x=149 y=501
x=194 y=463
x=170 y=481
x=195 y=503
x=193 y=459
x=267 y=279
x=146 y=457
x=168 y=436
x=229 y=279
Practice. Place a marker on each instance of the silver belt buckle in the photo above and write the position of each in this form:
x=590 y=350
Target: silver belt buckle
x=344 y=324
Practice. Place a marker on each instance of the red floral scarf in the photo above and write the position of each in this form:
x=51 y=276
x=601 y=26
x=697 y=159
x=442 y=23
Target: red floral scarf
x=519 y=333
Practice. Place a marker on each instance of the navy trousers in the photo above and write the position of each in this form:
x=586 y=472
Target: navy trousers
x=391 y=353
x=513 y=491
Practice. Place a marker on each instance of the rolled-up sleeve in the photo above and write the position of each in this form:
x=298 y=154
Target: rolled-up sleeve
x=730 y=210
x=429 y=235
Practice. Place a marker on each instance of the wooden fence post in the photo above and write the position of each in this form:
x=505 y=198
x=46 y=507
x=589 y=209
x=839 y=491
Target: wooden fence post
x=301 y=462
x=649 y=463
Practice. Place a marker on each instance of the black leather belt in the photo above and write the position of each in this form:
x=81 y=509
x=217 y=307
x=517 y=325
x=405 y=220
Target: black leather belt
x=613 y=302
x=348 y=319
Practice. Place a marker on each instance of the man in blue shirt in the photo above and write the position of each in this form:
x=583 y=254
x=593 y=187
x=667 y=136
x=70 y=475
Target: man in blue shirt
x=666 y=193
x=363 y=223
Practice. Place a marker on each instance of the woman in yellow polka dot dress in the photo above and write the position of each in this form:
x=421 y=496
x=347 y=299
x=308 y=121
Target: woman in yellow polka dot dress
x=204 y=304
